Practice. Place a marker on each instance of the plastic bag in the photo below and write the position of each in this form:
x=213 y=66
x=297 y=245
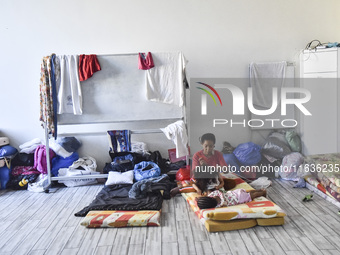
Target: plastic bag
x=183 y=174
x=232 y=161
x=89 y=165
x=145 y=170
x=276 y=146
x=294 y=141
x=40 y=183
x=248 y=153
x=261 y=183
x=290 y=166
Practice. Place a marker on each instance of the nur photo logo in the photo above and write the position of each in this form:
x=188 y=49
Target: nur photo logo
x=239 y=99
x=232 y=100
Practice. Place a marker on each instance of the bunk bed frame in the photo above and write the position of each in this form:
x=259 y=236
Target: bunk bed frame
x=99 y=175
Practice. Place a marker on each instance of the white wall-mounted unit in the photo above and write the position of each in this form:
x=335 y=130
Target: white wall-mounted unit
x=319 y=72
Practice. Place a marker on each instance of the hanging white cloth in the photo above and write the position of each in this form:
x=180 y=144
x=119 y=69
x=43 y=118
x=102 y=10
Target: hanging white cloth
x=165 y=81
x=68 y=86
x=263 y=78
x=177 y=132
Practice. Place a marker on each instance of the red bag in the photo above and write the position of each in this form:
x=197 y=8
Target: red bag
x=183 y=174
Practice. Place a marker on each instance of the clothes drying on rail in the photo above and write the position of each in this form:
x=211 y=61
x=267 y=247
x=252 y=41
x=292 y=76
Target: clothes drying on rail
x=88 y=65
x=68 y=86
x=165 y=82
x=177 y=132
x=119 y=140
x=145 y=62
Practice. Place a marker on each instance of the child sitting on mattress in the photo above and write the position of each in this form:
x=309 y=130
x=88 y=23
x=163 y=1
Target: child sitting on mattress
x=202 y=185
x=208 y=156
x=218 y=198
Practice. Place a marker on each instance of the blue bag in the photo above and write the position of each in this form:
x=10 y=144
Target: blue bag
x=4 y=176
x=248 y=154
x=145 y=170
x=7 y=151
x=61 y=162
x=232 y=161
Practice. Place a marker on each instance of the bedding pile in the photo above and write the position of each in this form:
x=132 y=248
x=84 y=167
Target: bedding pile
x=132 y=195
x=116 y=197
x=323 y=172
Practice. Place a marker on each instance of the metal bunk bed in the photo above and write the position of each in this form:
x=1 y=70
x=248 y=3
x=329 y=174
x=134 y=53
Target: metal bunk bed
x=99 y=175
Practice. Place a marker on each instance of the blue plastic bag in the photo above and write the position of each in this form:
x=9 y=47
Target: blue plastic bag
x=248 y=154
x=7 y=151
x=232 y=161
x=145 y=170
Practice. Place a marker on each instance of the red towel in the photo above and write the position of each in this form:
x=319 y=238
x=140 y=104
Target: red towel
x=88 y=65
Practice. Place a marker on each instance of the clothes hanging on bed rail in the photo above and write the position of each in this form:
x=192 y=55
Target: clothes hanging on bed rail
x=88 y=65
x=170 y=69
x=145 y=62
x=47 y=114
x=69 y=90
x=120 y=140
x=177 y=132
x=166 y=81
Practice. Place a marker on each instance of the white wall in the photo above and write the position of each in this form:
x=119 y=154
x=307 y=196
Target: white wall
x=219 y=38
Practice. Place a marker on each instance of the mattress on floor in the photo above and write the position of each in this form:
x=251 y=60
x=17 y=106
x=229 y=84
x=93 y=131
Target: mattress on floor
x=260 y=211
x=118 y=219
x=323 y=172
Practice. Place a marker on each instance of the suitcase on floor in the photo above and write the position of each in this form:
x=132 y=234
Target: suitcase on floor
x=4 y=141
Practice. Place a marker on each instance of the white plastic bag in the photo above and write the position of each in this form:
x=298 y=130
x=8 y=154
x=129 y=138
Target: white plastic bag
x=88 y=164
x=40 y=183
x=261 y=183
x=138 y=147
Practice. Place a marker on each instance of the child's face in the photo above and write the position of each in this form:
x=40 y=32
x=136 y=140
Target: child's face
x=208 y=147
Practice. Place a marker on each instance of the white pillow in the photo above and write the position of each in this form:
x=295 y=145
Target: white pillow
x=120 y=178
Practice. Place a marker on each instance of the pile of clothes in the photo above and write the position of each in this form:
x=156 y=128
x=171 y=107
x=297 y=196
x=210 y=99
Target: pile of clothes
x=28 y=168
x=124 y=161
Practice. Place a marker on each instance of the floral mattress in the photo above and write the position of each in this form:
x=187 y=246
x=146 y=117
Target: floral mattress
x=259 y=208
x=323 y=172
x=116 y=219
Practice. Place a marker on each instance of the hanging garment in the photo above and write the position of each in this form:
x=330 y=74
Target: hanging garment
x=263 y=78
x=145 y=62
x=177 y=132
x=68 y=86
x=46 y=96
x=165 y=82
x=54 y=70
x=120 y=140
x=88 y=65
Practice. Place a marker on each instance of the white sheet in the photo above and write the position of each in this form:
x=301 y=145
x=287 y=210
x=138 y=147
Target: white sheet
x=68 y=86
x=164 y=82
